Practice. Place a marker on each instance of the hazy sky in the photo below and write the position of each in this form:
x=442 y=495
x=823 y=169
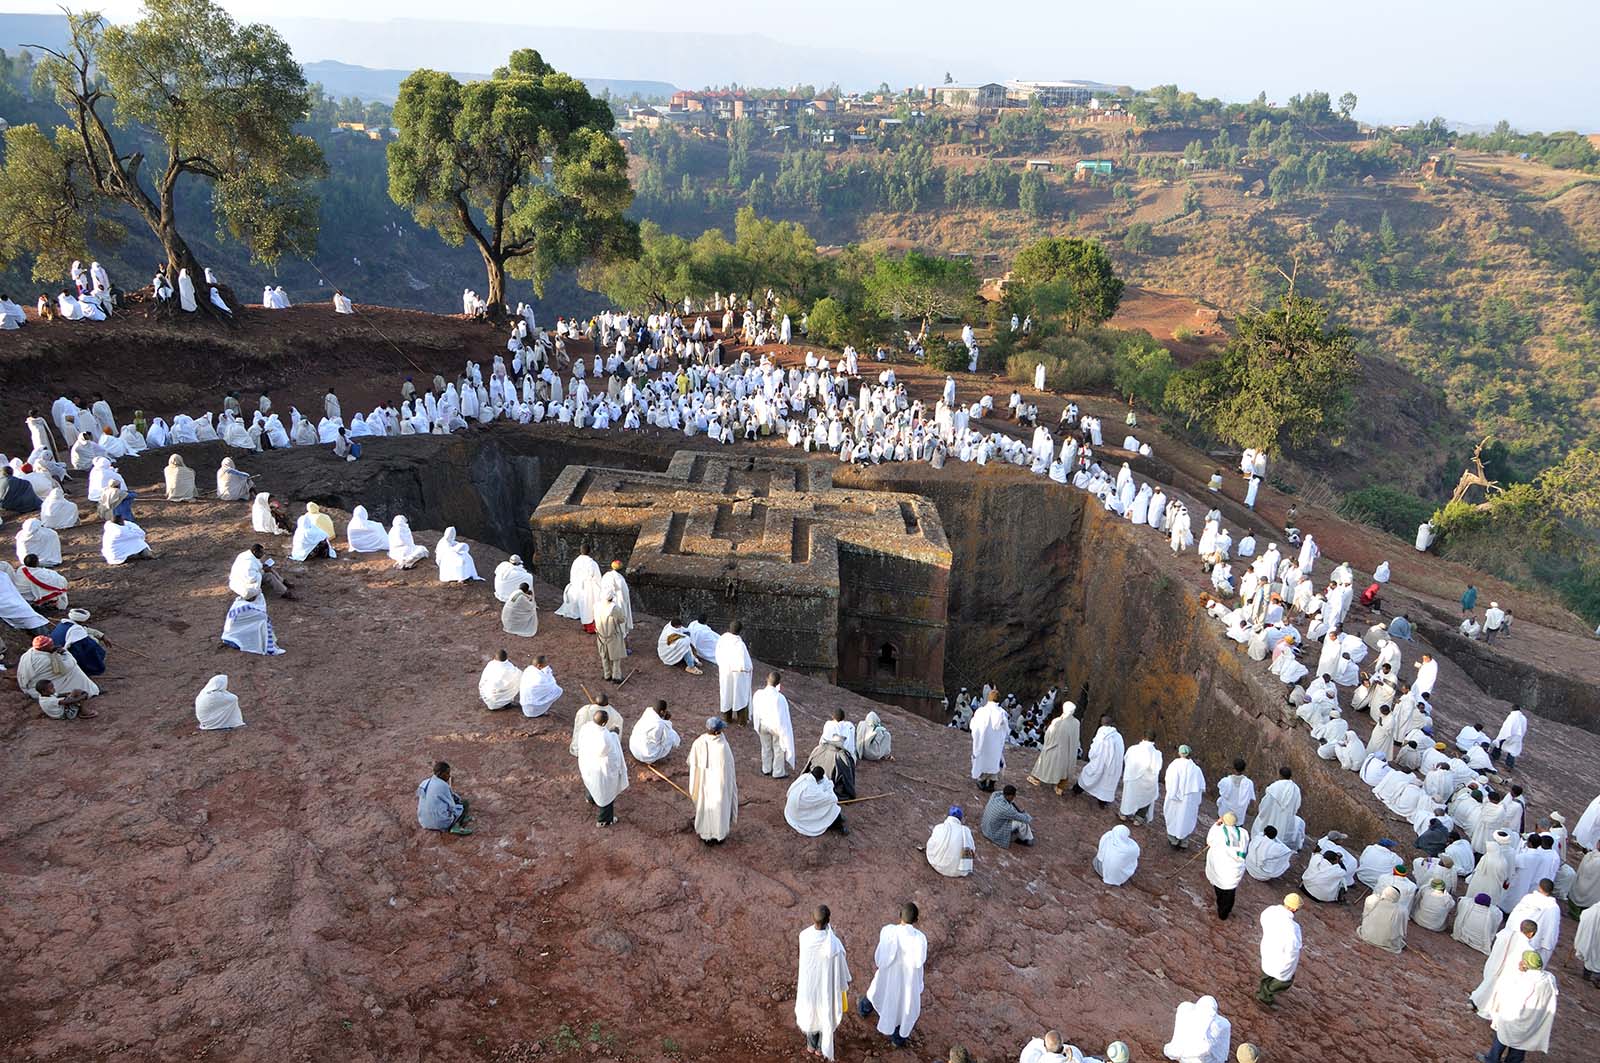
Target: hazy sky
x=1469 y=60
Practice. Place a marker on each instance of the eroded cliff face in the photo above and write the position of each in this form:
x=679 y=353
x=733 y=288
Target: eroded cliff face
x=1047 y=588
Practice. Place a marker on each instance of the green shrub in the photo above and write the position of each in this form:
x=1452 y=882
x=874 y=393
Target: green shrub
x=1071 y=363
x=828 y=324
x=948 y=357
x=1389 y=508
x=1141 y=367
x=1183 y=333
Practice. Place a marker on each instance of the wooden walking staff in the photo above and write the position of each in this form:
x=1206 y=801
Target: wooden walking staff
x=854 y=800
x=668 y=781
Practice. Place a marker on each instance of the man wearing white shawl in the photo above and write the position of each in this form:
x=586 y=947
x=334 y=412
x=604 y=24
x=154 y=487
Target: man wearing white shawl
x=40 y=541
x=713 y=786
x=1542 y=907
x=821 y=984
x=733 y=672
x=950 y=847
x=538 y=690
x=1383 y=920
x=675 y=646
x=247 y=628
x=1278 y=807
x=123 y=541
x=577 y=600
x=653 y=737
x=455 y=559
x=1226 y=846
x=262 y=519
x=1186 y=784
x=1586 y=944
x=614 y=583
x=309 y=539
x=500 y=682
x=216 y=708
x=1477 y=922
x=585 y=713
x=1280 y=948
x=601 y=766
x=508 y=576
x=704 y=641
x=769 y=714
x=1199 y=1034
x=1141 y=781
x=811 y=807
x=990 y=725
x=1101 y=774
x=1587 y=831
x=365 y=535
x=58 y=511
x=1267 y=857
x=1433 y=906
x=1521 y=1012
x=45 y=660
x=895 y=994
x=520 y=615
x=403 y=549
x=1117 y=856
x=1057 y=764
x=37 y=586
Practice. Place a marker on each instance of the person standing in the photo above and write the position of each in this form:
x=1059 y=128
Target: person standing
x=895 y=994
x=1226 y=846
x=1186 y=784
x=1469 y=598
x=820 y=987
x=601 y=766
x=712 y=786
x=610 y=634
x=733 y=671
x=1522 y=1010
x=769 y=713
x=990 y=725
x=1280 y=949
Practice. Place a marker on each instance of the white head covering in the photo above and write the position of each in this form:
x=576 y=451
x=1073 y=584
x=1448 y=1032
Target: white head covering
x=1118 y=855
x=215 y=708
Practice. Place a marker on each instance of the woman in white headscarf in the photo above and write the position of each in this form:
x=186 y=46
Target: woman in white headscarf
x=508 y=576
x=309 y=538
x=235 y=434
x=58 y=511
x=100 y=473
x=402 y=547
x=1199 y=1034
x=233 y=483
x=1477 y=922
x=872 y=739
x=122 y=541
x=455 y=559
x=186 y=292
x=158 y=435
x=1117 y=857
x=204 y=430
x=520 y=615
x=262 y=519
x=216 y=708
x=35 y=538
x=183 y=430
x=132 y=441
x=365 y=535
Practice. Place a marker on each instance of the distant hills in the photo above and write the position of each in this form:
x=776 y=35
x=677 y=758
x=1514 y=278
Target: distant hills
x=345 y=79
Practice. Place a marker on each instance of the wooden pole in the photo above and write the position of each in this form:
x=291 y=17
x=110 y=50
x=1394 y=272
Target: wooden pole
x=669 y=782
x=625 y=679
x=853 y=800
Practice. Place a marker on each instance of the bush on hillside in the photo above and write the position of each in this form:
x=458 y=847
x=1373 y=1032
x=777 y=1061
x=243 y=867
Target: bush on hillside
x=1141 y=367
x=1389 y=508
x=948 y=357
x=1071 y=363
x=828 y=324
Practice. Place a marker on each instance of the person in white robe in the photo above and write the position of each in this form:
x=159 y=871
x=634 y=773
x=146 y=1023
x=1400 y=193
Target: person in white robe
x=1383 y=920
x=262 y=519
x=1586 y=944
x=500 y=682
x=123 y=541
x=895 y=994
x=1141 y=780
x=1542 y=907
x=769 y=714
x=820 y=986
x=950 y=847
x=1477 y=922
x=216 y=708
x=403 y=548
x=703 y=638
x=1116 y=858
x=1522 y=1010
x=1586 y=834
x=734 y=668
x=1508 y=742
x=309 y=538
x=36 y=586
x=1057 y=764
x=509 y=575
x=873 y=741
x=653 y=737
x=1236 y=793
x=1186 y=785
x=365 y=535
x=1199 y=1034
x=614 y=583
x=247 y=627
x=40 y=541
x=1433 y=906
x=675 y=646
x=538 y=689
x=58 y=511
x=454 y=559
x=990 y=725
x=811 y=807
x=1101 y=775
x=601 y=765
x=1327 y=875
x=1267 y=857
x=583 y=583
x=1279 y=806
x=520 y=615
x=712 y=785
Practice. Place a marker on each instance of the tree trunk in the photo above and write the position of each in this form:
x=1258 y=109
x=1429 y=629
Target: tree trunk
x=496 y=297
x=176 y=247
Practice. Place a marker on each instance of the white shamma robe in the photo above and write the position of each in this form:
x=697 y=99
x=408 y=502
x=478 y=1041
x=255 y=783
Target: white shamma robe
x=820 y=987
x=215 y=708
x=896 y=989
x=712 y=787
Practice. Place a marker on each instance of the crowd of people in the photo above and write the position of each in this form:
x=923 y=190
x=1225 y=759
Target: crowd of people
x=1470 y=822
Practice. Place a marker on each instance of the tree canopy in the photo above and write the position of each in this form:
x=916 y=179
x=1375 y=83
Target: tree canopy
x=915 y=285
x=183 y=92
x=1068 y=278
x=1284 y=380
x=523 y=164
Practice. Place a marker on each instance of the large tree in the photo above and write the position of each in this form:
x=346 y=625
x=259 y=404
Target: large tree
x=524 y=165
x=183 y=92
x=1284 y=380
x=923 y=287
x=657 y=278
x=1062 y=276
